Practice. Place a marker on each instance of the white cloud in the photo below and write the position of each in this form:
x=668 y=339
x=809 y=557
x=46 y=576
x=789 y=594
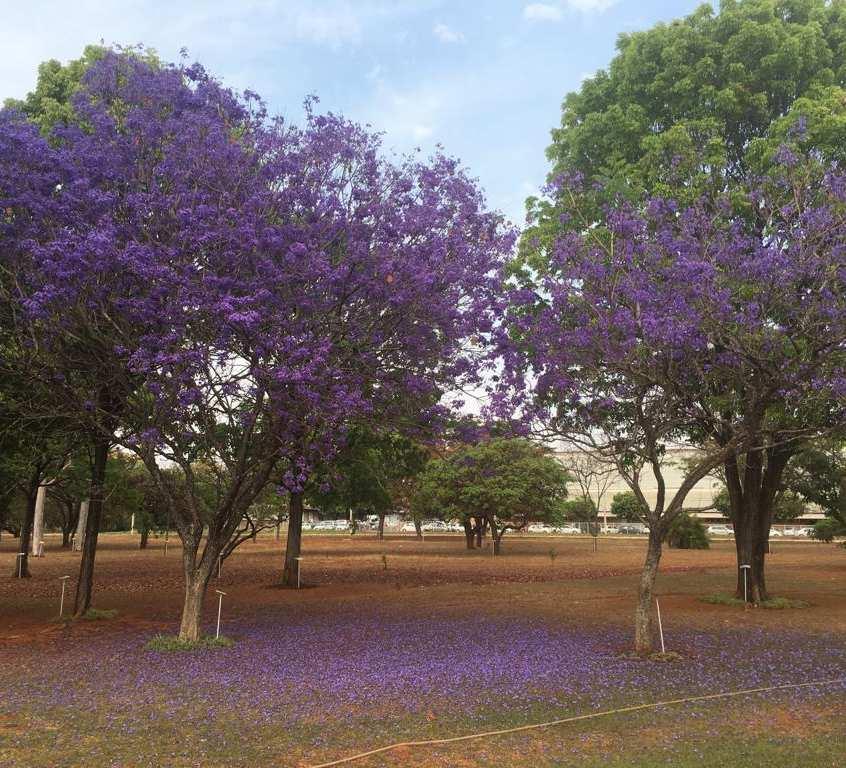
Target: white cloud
x=542 y=12
x=549 y=12
x=446 y=34
x=586 y=6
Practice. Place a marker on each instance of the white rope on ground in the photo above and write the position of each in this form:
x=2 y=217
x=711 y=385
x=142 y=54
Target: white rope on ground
x=534 y=726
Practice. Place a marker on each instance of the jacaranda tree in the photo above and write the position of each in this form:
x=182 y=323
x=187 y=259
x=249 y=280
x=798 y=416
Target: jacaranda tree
x=225 y=293
x=664 y=325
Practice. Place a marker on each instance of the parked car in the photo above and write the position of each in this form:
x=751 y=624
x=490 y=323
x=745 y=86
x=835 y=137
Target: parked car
x=434 y=525
x=720 y=530
x=408 y=527
x=568 y=529
x=775 y=532
x=632 y=528
x=805 y=530
x=540 y=528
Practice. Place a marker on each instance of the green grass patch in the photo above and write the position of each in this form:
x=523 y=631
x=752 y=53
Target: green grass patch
x=774 y=603
x=99 y=614
x=169 y=643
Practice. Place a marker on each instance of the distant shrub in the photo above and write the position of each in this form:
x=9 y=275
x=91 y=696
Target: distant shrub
x=774 y=603
x=825 y=530
x=687 y=532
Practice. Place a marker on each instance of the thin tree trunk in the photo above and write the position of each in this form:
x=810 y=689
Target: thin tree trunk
x=22 y=567
x=643 y=612
x=85 y=586
x=418 y=527
x=381 y=534
x=145 y=535
x=294 y=542
x=38 y=521
x=496 y=537
x=478 y=532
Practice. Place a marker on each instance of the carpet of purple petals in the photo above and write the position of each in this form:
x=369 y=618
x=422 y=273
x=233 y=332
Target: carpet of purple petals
x=320 y=668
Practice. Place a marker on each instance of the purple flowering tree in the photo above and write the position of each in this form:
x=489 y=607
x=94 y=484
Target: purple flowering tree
x=663 y=326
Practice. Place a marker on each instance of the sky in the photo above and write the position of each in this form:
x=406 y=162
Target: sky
x=484 y=79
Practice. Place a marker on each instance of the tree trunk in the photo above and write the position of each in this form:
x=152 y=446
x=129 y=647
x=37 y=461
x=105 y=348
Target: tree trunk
x=381 y=534
x=145 y=535
x=196 y=583
x=643 y=613
x=197 y=575
x=38 y=521
x=85 y=586
x=478 y=532
x=468 y=533
x=418 y=527
x=22 y=561
x=293 y=544
x=80 y=526
x=496 y=536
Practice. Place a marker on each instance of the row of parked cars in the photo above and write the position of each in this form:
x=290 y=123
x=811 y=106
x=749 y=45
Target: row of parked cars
x=727 y=530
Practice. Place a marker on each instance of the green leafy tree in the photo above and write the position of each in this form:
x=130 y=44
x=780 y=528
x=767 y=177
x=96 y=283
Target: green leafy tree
x=505 y=482
x=687 y=532
x=625 y=506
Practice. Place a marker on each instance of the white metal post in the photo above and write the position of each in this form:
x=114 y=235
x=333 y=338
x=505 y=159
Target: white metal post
x=219 y=608
x=660 y=626
x=64 y=580
x=745 y=569
x=21 y=556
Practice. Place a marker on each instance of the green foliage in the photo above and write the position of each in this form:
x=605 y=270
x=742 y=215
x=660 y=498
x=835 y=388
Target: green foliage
x=687 y=532
x=371 y=475
x=511 y=480
x=699 y=102
x=826 y=530
x=625 y=506
x=170 y=644
x=583 y=510
x=818 y=475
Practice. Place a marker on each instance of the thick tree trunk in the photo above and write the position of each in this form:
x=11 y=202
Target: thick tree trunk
x=643 y=612
x=381 y=534
x=294 y=542
x=145 y=535
x=85 y=586
x=468 y=533
x=752 y=496
x=196 y=583
x=478 y=531
x=21 y=568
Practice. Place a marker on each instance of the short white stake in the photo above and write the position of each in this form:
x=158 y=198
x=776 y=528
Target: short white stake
x=298 y=571
x=219 y=609
x=660 y=627
x=745 y=569
x=21 y=556
x=64 y=580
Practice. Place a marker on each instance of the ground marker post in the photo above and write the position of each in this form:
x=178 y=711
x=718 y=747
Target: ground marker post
x=745 y=568
x=21 y=556
x=660 y=626
x=219 y=608
x=64 y=580
x=298 y=570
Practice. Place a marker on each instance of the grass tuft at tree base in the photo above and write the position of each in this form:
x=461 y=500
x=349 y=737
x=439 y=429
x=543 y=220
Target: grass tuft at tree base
x=98 y=614
x=171 y=644
x=774 y=603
